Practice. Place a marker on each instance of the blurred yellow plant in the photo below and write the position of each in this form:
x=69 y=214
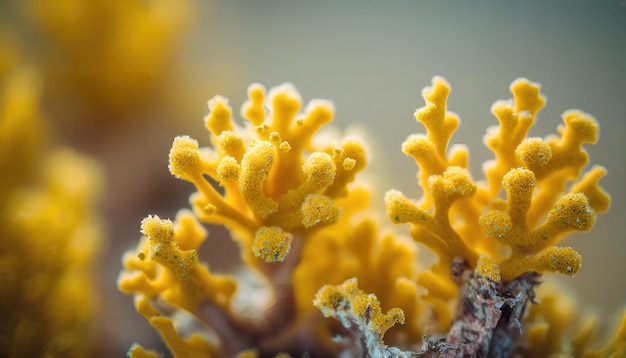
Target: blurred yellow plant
x=555 y=327
x=113 y=53
x=50 y=233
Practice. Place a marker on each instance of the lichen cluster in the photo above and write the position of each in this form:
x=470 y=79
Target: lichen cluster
x=270 y=184
x=545 y=196
x=273 y=193
x=305 y=233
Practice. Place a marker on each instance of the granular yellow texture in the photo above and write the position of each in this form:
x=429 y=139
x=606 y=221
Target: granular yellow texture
x=305 y=230
x=546 y=193
x=382 y=263
x=277 y=191
x=165 y=266
x=347 y=298
x=269 y=183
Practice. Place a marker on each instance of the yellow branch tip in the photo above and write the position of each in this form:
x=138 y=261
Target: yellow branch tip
x=163 y=247
x=402 y=210
x=563 y=260
x=228 y=169
x=320 y=170
x=255 y=168
x=572 y=212
x=185 y=162
x=219 y=118
x=347 y=298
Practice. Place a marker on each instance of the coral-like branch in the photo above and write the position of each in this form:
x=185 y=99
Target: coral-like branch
x=362 y=314
x=286 y=199
x=457 y=218
x=267 y=180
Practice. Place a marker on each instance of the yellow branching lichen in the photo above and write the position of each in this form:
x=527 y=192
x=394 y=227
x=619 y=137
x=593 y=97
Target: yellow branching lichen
x=165 y=266
x=351 y=305
x=488 y=268
x=267 y=179
x=318 y=208
x=534 y=174
x=137 y=351
x=163 y=247
x=351 y=248
x=287 y=201
x=270 y=185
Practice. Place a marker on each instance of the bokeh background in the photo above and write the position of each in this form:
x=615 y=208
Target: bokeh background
x=371 y=58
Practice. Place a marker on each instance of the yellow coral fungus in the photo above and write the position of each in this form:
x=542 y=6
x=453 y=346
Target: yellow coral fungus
x=185 y=162
x=554 y=327
x=318 y=208
x=174 y=247
x=351 y=249
x=488 y=269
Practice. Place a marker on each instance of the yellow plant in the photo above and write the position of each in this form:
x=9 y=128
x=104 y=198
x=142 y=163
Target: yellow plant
x=49 y=233
x=273 y=194
x=307 y=237
x=458 y=218
x=112 y=53
x=275 y=190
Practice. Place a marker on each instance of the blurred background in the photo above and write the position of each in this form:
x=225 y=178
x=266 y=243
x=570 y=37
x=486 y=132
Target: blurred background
x=121 y=79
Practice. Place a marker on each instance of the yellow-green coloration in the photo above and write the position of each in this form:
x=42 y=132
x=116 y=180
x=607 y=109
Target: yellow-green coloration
x=347 y=297
x=50 y=232
x=458 y=218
